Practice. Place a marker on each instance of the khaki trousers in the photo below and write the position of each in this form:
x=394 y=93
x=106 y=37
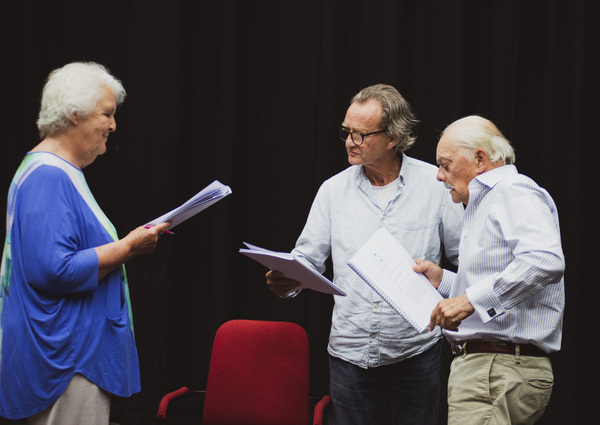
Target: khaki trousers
x=82 y=403
x=498 y=389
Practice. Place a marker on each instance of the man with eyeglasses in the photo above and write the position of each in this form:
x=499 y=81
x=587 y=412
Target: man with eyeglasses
x=372 y=347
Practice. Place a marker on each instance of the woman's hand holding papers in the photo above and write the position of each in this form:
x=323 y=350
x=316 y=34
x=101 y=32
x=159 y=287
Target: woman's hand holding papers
x=139 y=241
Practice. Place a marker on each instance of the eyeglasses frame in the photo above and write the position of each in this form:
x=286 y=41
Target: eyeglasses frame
x=362 y=136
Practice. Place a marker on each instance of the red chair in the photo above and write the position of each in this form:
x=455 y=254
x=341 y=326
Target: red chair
x=258 y=374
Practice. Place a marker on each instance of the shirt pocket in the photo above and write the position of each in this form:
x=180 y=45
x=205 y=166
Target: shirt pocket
x=419 y=236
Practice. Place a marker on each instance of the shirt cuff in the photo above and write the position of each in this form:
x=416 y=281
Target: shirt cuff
x=484 y=301
x=446 y=283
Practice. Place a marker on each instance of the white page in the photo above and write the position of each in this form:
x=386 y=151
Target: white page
x=387 y=267
x=255 y=248
x=211 y=194
x=292 y=268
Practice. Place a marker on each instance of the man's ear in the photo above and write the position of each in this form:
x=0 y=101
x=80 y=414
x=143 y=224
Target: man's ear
x=482 y=160
x=393 y=142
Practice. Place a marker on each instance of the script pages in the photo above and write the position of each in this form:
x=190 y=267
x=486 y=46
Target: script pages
x=291 y=268
x=205 y=198
x=387 y=267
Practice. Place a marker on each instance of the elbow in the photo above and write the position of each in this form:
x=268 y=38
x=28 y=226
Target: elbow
x=559 y=265
x=64 y=278
x=552 y=268
x=61 y=285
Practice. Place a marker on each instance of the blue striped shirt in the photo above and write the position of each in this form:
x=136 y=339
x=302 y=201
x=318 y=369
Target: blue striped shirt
x=511 y=263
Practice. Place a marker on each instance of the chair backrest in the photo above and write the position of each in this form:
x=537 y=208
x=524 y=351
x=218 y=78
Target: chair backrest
x=258 y=374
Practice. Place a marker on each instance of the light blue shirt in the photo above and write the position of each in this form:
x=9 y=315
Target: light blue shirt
x=511 y=263
x=365 y=330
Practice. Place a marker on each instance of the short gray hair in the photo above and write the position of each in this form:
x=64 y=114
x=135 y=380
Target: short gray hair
x=76 y=88
x=397 y=118
x=475 y=132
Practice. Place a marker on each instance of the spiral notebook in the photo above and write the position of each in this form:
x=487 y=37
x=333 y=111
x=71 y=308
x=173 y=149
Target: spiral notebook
x=384 y=264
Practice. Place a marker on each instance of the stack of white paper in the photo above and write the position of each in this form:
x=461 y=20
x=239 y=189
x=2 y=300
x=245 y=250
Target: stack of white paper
x=199 y=202
x=291 y=268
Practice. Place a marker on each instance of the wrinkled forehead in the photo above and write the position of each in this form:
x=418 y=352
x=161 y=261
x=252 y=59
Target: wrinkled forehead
x=363 y=114
x=446 y=149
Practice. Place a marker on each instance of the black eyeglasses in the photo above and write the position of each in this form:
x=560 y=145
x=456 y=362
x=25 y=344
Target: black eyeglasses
x=357 y=137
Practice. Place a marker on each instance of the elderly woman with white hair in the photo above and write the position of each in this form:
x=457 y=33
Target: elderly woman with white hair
x=66 y=331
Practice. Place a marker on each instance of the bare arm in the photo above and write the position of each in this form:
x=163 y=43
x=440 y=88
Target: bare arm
x=138 y=242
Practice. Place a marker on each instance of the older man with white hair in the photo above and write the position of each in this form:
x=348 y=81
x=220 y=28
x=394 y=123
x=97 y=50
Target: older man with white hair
x=504 y=307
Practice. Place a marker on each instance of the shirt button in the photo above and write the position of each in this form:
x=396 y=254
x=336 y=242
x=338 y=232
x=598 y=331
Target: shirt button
x=373 y=335
x=376 y=305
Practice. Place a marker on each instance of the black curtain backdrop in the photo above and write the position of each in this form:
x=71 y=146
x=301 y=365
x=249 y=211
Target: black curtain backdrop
x=251 y=93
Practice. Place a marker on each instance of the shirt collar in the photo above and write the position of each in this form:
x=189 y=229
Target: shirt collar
x=492 y=177
x=405 y=171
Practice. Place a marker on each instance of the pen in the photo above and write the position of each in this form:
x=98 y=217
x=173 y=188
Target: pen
x=166 y=231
